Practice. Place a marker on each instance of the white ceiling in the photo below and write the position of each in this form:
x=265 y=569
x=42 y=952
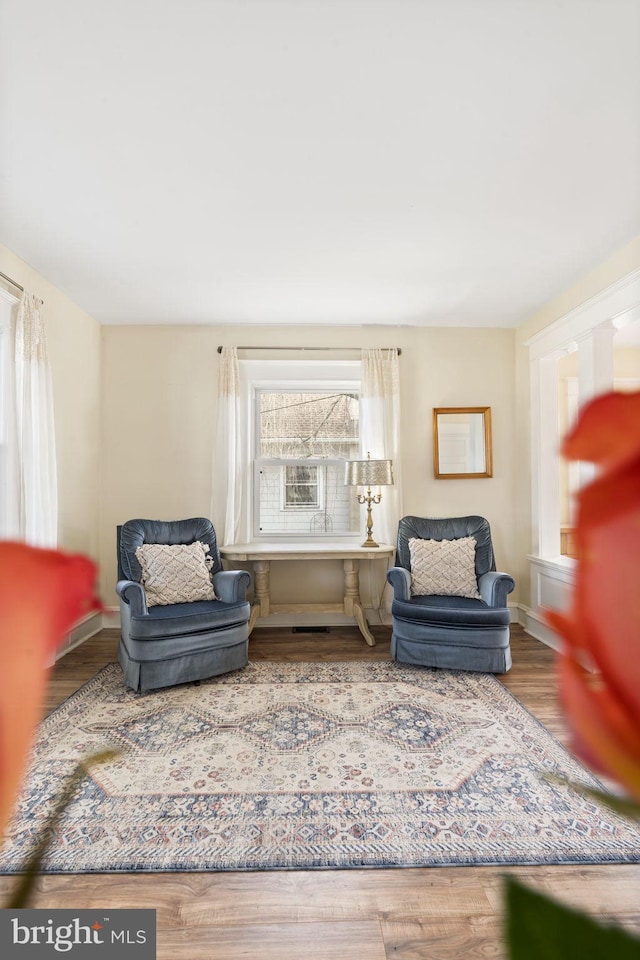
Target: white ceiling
x=431 y=162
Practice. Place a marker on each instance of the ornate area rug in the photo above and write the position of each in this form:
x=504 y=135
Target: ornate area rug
x=301 y=765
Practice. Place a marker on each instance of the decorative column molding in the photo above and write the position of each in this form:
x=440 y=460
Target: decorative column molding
x=595 y=366
x=545 y=457
x=595 y=359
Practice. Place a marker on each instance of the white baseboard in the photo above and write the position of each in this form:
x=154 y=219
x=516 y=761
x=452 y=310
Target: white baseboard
x=111 y=618
x=86 y=628
x=535 y=625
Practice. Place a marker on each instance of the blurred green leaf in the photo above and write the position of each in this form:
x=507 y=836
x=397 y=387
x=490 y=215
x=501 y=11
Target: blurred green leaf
x=22 y=892
x=538 y=928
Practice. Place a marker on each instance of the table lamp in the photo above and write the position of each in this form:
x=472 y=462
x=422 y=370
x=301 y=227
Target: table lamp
x=369 y=473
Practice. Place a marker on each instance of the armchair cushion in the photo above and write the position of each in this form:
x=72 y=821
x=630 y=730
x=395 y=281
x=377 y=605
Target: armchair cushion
x=175 y=573
x=450 y=611
x=187 y=619
x=444 y=567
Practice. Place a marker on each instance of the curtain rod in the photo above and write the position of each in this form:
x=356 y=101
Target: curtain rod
x=305 y=348
x=9 y=280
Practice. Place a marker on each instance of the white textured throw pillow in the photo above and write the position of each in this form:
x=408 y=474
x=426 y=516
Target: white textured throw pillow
x=444 y=567
x=175 y=574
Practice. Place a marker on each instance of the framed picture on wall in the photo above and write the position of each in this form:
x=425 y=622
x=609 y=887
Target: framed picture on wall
x=462 y=443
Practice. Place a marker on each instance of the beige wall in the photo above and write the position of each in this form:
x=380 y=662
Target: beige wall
x=73 y=339
x=618 y=265
x=626 y=363
x=159 y=404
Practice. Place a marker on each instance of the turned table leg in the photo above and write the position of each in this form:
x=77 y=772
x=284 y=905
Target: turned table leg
x=261 y=602
x=352 y=603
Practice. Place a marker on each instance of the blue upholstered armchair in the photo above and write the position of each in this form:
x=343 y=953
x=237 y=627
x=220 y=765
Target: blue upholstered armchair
x=173 y=643
x=455 y=632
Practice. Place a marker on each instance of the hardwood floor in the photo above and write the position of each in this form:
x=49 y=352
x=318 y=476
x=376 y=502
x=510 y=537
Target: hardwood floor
x=434 y=913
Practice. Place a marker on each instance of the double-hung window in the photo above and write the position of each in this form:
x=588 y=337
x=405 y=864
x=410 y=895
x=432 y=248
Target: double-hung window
x=306 y=425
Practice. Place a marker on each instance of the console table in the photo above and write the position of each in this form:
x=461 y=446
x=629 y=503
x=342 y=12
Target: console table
x=261 y=555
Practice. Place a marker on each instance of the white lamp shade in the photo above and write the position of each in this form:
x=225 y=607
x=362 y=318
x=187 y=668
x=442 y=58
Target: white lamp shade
x=368 y=473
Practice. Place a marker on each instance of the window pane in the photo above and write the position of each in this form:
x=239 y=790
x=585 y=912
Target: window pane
x=311 y=424
x=297 y=494
x=299 y=473
x=335 y=510
x=301 y=486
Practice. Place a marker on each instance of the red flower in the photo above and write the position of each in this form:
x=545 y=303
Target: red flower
x=602 y=627
x=43 y=593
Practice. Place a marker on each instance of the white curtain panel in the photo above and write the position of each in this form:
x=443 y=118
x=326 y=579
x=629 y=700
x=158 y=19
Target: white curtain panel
x=9 y=463
x=380 y=433
x=230 y=461
x=35 y=430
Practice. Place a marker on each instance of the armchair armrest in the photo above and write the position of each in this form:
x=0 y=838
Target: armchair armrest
x=494 y=588
x=400 y=580
x=231 y=585
x=133 y=594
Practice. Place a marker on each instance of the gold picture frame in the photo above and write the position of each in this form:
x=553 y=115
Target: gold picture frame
x=462 y=447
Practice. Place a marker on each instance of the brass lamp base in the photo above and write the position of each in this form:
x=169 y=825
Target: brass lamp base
x=369 y=542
